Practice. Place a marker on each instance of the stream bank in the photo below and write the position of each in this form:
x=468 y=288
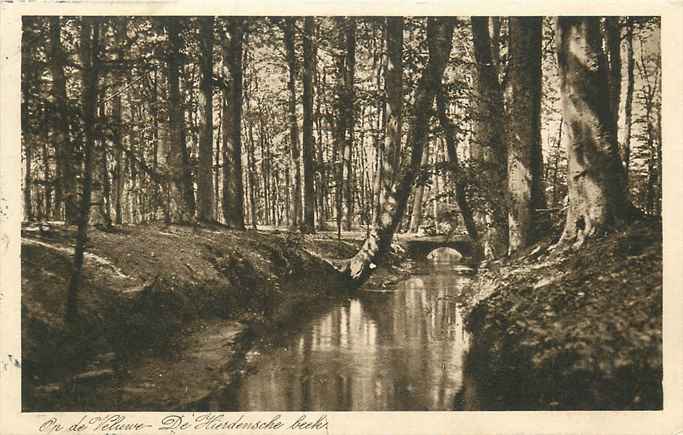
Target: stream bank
x=193 y=295
x=570 y=330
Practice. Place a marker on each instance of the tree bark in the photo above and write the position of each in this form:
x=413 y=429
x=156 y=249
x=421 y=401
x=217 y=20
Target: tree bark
x=340 y=118
x=61 y=139
x=27 y=81
x=101 y=212
x=295 y=157
x=233 y=191
x=182 y=190
x=613 y=33
x=456 y=170
x=524 y=133
x=395 y=195
x=489 y=143
x=120 y=27
x=416 y=215
x=308 y=223
x=347 y=156
x=88 y=58
x=205 y=192
x=596 y=181
x=628 y=104
x=89 y=77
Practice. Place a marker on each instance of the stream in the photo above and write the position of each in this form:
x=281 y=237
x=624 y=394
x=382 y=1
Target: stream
x=392 y=349
x=399 y=349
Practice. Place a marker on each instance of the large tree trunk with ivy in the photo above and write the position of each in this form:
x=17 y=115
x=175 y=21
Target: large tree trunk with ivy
x=205 y=180
x=489 y=142
x=395 y=195
x=525 y=160
x=233 y=191
x=180 y=175
x=308 y=223
x=596 y=182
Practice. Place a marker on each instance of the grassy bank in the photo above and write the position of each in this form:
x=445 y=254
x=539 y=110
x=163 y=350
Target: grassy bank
x=151 y=289
x=571 y=330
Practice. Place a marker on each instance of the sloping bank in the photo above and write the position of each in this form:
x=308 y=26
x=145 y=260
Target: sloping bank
x=183 y=298
x=573 y=330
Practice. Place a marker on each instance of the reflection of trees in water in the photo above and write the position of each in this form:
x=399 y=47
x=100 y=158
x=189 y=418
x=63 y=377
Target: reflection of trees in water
x=382 y=351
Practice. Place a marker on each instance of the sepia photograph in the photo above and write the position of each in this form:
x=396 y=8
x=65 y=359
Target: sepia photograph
x=223 y=215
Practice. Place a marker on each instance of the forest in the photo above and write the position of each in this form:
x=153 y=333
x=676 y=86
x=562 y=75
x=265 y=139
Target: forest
x=508 y=133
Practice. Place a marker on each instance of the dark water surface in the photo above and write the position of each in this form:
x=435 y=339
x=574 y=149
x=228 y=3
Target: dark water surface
x=382 y=350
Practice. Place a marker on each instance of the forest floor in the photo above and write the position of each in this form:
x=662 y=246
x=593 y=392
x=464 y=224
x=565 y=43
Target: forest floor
x=191 y=294
x=571 y=330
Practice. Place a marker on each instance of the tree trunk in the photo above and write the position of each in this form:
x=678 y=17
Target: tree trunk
x=265 y=169
x=524 y=133
x=233 y=191
x=596 y=182
x=347 y=156
x=116 y=114
x=628 y=105
x=490 y=139
x=89 y=75
x=322 y=182
x=182 y=190
x=251 y=161
x=379 y=141
x=101 y=212
x=61 y=139
x=613 y=33
x=436 y=192
x=27 y=81
x=205 y=192
x=308 y=223
x=217 y=164
x=416 y=215
x=340 y=118
x=452 y=151
x=295 y=158
x=251 y=158
x=395 y=195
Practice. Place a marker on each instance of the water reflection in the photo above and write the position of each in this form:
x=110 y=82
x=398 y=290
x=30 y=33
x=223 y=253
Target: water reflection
x=380 y=351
